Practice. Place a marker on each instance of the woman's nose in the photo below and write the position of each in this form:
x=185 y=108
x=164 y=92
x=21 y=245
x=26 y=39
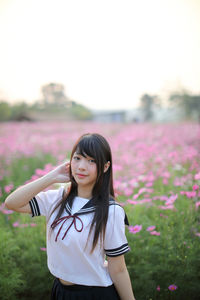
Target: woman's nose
x=81 y=164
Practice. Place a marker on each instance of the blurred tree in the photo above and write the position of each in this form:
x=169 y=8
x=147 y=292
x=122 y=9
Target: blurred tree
x=20 y=112
x=80 y=112
x=5 y=111
x=55 y=101
x=147 y=103
x=54 y=94
x=55 y=104
x=190 y=104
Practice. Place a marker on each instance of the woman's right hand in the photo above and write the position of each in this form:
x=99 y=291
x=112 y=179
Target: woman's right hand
x=19 y=199
x=61 y=173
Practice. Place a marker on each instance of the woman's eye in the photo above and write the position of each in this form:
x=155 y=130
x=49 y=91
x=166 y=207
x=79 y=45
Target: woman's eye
x=76 y=158
x=92 y=160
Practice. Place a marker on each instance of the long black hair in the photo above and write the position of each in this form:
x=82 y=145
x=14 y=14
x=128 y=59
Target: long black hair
x=95 y=146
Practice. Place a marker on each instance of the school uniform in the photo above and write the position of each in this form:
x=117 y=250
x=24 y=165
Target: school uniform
x=68 y=252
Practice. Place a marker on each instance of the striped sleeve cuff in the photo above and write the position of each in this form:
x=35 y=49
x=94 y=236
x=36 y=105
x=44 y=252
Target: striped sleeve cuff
x=117 y=251
x=34 y=207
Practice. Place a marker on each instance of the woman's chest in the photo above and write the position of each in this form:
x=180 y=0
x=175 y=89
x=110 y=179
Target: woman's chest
x=71 y=230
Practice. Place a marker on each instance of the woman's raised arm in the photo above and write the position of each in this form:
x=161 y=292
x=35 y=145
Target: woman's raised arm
x=19 y=199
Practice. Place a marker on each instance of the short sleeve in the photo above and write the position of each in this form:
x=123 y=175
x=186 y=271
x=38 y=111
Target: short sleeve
x=115 y=242
x=43 y=202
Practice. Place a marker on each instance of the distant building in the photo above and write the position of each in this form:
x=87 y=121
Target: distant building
x=109 y=116
x=167 y=114
x=137 y=115
x=159 y=114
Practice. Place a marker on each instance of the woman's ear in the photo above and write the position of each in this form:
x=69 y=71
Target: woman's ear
x=106 y=166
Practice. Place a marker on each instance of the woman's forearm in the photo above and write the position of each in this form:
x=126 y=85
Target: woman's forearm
x=122 y=284
x=20 y=197
x=25 y=193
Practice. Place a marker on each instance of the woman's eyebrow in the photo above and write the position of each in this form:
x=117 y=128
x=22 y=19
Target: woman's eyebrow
x=85 y=155
x=82 y=154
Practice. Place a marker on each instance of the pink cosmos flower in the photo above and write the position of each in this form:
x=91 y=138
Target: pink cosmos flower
x=128 y=191
x=197 y=234
x=155 y=233
x=43 y=249
x=172 y=287
x=49 y=167
x=150 y=228
x=116 y=194
x=163 y=198
x=135 y=229
x=178 y=182
x=142 y=190
x=195 y=187
x=144 y=201
x=166 y=207
x=2 y=206
x=8 y=188
x=165 y=181
x=117 y=167
x=197 y=176
x=34 y=177
x=5 y=211
x=158 y=288
x=39 y=172
x=166 y=174
x=182 y=192
x=16 y=224
x=132 y=201
x=149 y=184
x=171 y=199
x=197 y=204
x=191 y=194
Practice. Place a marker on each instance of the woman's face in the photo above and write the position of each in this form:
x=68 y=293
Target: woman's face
x=84 y=170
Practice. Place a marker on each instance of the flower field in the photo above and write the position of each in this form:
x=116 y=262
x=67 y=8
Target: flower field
x=156 y=180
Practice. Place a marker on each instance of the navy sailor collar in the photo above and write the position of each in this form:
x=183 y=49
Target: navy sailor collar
x=89 y=207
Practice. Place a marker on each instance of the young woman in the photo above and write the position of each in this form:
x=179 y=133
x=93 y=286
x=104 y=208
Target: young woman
x=84 y=224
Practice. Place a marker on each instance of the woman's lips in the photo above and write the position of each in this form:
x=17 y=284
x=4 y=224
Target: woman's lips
x=81 y=175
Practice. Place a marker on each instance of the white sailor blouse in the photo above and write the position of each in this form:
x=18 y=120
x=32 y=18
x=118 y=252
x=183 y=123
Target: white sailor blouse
x=68 y=246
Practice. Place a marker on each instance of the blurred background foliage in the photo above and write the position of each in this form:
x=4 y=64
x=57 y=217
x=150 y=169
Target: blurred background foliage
x=55 y=105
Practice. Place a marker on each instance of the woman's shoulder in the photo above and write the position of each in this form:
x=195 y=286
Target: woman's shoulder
x=114 y=206
x=112 y=201
x=117 y=211
x=56 y=193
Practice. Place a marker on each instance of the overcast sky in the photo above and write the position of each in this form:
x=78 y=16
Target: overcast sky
x=106 y=53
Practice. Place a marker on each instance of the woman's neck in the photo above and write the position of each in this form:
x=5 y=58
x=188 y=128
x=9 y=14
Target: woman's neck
x=84 y=192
